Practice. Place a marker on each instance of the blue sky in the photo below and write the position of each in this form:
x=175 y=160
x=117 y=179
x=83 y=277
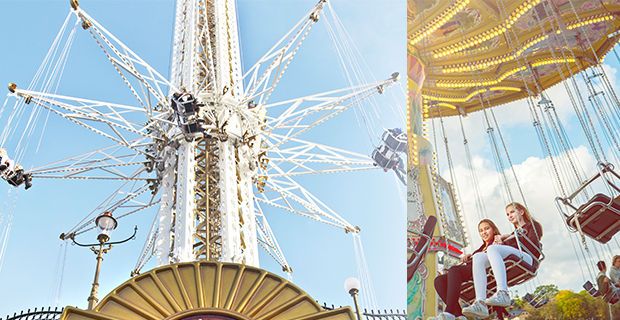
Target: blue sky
x=322 y=257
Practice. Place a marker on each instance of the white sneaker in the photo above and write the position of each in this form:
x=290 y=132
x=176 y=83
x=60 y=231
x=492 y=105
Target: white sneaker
x=477 y=309
x=500 y=299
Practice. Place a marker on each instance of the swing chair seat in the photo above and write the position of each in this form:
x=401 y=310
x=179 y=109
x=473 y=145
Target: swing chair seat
x=517 y=272
x=395 y=139
x=596 y=294
x=591 y=289
x=533 y=302
x=193 y=126
x=599 y=218
x=385 y=158
x=184 y=104
x=418 y=253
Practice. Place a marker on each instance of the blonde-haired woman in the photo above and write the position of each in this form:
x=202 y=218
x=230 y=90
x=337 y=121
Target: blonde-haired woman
x=503 y=246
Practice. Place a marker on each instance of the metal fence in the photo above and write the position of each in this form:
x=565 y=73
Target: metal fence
x=375 y=315
x=54 y=314
x=49 y=314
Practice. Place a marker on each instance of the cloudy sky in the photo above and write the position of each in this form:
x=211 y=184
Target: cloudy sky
x=564 y=263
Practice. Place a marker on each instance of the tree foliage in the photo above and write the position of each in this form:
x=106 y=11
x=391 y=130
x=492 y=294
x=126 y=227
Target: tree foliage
x=566 y=304
x=547 y=290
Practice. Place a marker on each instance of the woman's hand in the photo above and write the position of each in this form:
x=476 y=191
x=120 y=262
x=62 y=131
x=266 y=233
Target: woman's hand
x=465 y=258
x=498 y=239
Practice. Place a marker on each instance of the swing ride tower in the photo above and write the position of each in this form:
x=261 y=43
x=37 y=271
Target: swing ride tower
x=465 y=57
x=212 y=149
x=209 y=199
x=211 y=137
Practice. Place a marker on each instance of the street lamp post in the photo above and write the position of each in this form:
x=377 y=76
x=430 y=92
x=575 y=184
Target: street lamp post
x=352 y=285
x=106 y=223
x=92 y=299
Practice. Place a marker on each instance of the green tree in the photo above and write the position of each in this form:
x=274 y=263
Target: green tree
x=546 y=290
x=565 y=305
x=519 y=303
x=615 y=309
x=594 y=308
x=548 y=311
x=571 y=306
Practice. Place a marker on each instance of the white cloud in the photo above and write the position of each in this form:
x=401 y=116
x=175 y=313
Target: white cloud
x=540 y=188
x=567 y=264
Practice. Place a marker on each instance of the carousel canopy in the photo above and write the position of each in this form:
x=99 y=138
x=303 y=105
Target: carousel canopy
x=490 y=52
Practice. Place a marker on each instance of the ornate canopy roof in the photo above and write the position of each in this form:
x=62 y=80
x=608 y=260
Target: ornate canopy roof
x=491 y=52
x=208 y=291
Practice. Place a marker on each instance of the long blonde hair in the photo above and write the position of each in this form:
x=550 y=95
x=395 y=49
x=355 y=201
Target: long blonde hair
x=526 y=216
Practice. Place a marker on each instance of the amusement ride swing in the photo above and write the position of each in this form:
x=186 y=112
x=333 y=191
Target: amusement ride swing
x=476 y=56
x=517 y=270
x=213 y=148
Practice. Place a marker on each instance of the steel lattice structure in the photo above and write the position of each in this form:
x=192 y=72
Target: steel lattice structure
x=211 y=181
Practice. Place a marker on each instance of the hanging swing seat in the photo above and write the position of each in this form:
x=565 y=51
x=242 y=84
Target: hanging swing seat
x=193 y=126
x=386 y=158
x=184 y=103
x=517 y=270
x=534 y=302
x=614 y=298
x=599 y=217
x=418 y=253
x=591 y=289
x=395 y=139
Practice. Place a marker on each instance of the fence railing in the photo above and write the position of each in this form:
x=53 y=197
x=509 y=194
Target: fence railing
x=375 y=315
x=54 y=314
x=49 y=314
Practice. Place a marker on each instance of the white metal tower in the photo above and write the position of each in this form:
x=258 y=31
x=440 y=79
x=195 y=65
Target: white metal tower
x=207 y=213
x=208 y=142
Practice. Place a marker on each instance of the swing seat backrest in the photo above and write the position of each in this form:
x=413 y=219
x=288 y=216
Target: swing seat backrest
x=193 y=126
x=599 y=218
x=533 y=302
x=528 y=297
x=591 y=289
x=542 y=303
x=517 y=272
x=385 y=158
x=613 y=299
x=395 y=141
x=419 y=251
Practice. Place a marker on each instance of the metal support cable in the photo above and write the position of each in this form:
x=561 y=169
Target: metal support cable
x=581 y=100
x=475 y=183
